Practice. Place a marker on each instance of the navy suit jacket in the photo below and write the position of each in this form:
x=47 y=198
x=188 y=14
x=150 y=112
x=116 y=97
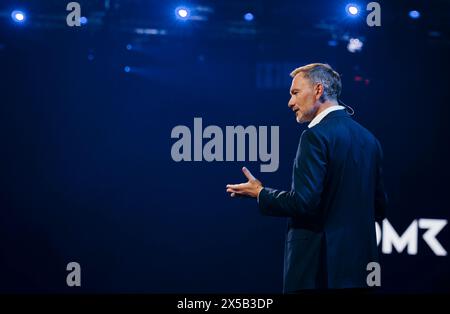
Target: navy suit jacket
x=337 y=195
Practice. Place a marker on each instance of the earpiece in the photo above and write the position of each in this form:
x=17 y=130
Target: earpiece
x=347 y=108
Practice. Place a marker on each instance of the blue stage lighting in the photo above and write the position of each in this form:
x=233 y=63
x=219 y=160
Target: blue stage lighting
x=354 y=45
x=83 y=20
x=248 y=17
x=182 y=13
x=352 y=9
x=127 y=69
x=18 y=16
x=414 y=14
x=129 y=47
x=332 y=43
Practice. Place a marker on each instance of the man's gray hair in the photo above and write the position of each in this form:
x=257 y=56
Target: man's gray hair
x=324 y=74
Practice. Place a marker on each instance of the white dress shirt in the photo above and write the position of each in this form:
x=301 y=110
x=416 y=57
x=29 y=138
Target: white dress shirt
x=322 y=115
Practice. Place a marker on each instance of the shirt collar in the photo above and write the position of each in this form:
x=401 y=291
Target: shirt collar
x=322 y=115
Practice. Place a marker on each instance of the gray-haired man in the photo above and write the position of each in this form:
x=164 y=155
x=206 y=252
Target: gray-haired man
x=337 y=190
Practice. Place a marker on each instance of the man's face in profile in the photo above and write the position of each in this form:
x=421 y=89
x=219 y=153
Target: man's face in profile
x=303 y=99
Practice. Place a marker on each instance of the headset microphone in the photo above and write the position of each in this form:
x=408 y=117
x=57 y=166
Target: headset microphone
x=347 y=108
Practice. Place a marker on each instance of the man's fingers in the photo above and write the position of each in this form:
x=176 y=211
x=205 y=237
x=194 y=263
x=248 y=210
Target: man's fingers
x=237 y=191
x=248 y=174
x=236 y=186
x=232 y=189
x=237 y=195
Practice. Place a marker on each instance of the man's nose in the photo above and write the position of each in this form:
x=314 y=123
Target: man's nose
x=291 y=103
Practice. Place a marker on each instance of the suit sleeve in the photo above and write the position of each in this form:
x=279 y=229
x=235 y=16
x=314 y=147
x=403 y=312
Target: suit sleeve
x=308 y=179
x=380 y=193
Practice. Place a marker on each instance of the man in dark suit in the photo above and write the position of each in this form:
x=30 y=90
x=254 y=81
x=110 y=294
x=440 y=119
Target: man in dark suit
x=337 y=190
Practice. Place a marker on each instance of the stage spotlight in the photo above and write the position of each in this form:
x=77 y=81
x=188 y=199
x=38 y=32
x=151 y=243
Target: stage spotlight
x=354 y=45
x=248 y=17
x=83 y=20
x=414 y=14
x=127 y=69
x=18 y=16
x=352 y=9
x=129 y=47
x=182 y=13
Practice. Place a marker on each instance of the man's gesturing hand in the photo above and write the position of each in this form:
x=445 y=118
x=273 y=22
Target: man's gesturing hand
x=250 y=189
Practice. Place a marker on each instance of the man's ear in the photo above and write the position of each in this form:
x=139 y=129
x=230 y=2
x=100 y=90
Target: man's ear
x=319 y=91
